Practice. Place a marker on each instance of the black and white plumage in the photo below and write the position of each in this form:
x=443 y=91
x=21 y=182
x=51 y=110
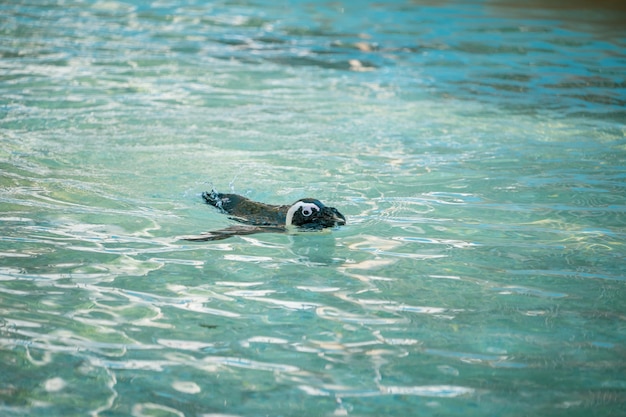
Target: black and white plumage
x=306 y=214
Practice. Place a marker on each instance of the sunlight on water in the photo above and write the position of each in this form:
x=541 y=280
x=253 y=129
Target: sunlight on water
x=477 y=150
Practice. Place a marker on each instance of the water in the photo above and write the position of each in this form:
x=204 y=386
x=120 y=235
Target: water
x=476 y=148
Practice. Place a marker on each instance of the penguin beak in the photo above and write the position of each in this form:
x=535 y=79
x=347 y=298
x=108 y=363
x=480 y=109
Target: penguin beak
x=339 y=219
x=333 y=217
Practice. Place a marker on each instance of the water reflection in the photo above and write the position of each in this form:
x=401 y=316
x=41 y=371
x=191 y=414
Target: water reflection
x=587 y=14
x=477 y=150
x=315 y=249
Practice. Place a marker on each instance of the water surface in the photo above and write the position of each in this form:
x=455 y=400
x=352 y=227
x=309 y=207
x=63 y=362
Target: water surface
x=476 y=148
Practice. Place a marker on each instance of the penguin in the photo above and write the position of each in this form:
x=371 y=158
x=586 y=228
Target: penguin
x=306 y=214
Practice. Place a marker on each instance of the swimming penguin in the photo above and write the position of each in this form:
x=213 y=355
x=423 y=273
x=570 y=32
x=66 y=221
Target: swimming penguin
x=306 y=214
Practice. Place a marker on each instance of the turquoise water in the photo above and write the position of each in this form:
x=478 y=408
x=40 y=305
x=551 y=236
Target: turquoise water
x=477 y=150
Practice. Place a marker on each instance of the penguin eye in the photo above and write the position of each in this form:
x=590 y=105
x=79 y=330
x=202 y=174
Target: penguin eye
x=307 y=209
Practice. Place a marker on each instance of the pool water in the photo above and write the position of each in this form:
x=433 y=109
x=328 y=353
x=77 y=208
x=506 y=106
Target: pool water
x=476 y=148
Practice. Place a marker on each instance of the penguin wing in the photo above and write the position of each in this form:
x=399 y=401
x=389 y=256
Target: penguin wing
x=260 y=221
x=233 y=231
x=246 y=211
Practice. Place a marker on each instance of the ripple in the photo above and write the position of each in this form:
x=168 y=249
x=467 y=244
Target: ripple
x=187 y=387
x=448 y=242
x=496 y=361
x=287 y=304
x=185 y=344
x=54 y=384
x=335 y=314
x=441 y=391
x=478 y=156
x=248 y=258
x=572 y=274
x=250 y=364
x=511 y=289
x=435 y=391
x=149 y=409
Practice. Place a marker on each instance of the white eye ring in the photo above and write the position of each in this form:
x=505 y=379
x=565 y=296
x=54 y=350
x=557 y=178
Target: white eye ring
x=307 y=210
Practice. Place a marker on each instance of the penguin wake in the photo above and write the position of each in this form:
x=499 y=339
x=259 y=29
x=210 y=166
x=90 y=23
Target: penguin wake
x=307 y=214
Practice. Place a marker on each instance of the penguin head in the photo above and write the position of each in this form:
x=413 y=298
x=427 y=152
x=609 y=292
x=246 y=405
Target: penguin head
x=309 y=213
